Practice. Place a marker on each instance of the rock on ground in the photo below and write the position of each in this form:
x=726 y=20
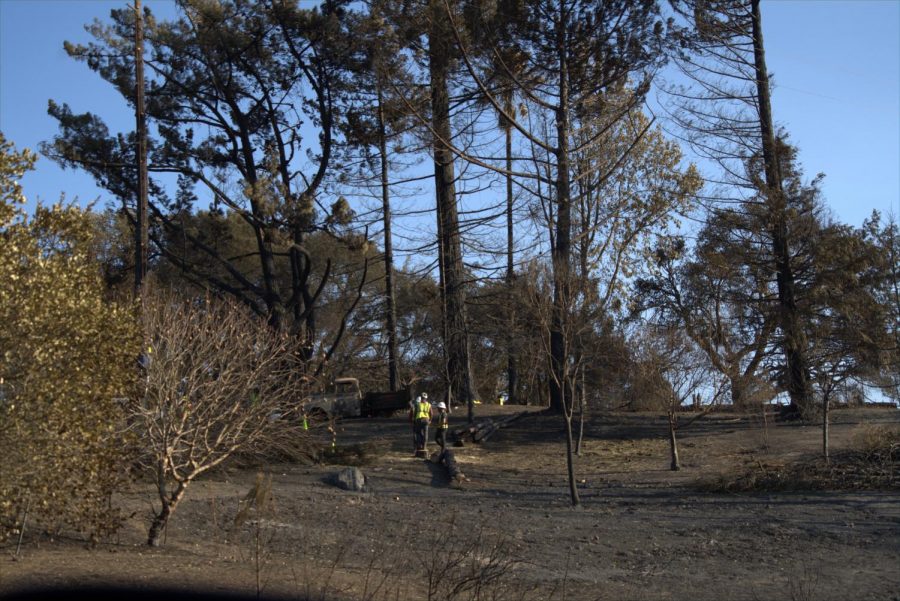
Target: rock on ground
x=350 y=478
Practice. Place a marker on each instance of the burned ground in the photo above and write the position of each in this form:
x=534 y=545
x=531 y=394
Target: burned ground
x=643 y=532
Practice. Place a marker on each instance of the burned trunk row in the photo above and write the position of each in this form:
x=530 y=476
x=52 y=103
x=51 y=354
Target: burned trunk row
x=482 y=430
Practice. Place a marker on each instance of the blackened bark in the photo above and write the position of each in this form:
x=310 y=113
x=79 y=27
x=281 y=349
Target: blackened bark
x=457 y=339
x=675 y=465
x=442 y=288
x=561 y=249
x=738 y=389
x=263 y=234
x=142 y=228
x=512 y=375
x=825 y=407
x=794 y=338
x=582 y=406
x=169 y=503
x=304 y=316
x=570 y=459
x=390 y=310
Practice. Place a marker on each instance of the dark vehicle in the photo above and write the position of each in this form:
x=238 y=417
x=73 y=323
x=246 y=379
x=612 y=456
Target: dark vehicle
x=344 y=399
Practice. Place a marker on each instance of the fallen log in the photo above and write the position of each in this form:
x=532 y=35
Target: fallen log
x=484 y=429
x=493 y=431
x=483 y=432
x=509 y=419
x=469 y=431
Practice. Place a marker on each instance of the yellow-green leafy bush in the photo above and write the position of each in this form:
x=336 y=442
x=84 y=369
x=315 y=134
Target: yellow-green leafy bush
x=67 y=357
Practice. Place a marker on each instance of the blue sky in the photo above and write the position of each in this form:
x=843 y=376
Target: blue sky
x=836 y=65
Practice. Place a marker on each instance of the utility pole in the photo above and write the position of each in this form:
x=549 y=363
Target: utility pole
x=141 y=238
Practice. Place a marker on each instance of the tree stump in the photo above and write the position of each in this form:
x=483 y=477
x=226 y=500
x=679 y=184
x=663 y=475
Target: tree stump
x=448 y=461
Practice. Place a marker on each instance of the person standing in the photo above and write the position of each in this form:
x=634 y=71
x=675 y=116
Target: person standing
x=442 y=425
x=421 y=416
x=413 y=403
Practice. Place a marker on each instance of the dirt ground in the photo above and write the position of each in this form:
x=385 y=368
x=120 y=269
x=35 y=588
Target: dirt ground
x=643 y=532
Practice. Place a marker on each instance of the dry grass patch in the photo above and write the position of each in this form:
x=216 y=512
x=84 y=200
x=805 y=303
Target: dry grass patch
x=871 y=462
x=624 y=449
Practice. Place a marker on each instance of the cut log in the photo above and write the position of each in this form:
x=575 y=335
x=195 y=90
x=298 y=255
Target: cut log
x=471 y=431
x=482 y=430
x=481 y=433
x=487 y=435
x=505 y=422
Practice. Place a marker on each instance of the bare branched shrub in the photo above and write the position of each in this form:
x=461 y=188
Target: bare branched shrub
x=452 y=560
x=315 y=579
x=804 y=586
x=470 y=564
x=869 y=464
x=258 y=508
x=878 y=443
x=681 y=370
x=218 y=382
x=562 y=322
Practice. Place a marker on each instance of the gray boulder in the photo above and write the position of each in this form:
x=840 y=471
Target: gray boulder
x=350 y=478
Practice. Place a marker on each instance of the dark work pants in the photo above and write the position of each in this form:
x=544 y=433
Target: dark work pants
x=421 y=433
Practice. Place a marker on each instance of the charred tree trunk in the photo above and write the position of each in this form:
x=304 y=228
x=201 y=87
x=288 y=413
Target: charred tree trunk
x=673 y=442
x=304 y=317
x=568 y=409
x=582 y=405
x=561 y=249
x=449 y=247
x=391 y=310
x=169 y=503
x=794 y=344
x=512 y=376
x=736 y=385
x=141 y=230
x=825 y=406
x=263 y=234
x=442 y=288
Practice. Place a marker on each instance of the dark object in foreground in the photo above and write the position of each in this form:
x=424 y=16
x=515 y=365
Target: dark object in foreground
x=446 y=458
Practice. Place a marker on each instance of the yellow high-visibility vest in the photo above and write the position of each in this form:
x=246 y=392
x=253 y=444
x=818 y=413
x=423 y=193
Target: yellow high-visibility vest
x=422 y=410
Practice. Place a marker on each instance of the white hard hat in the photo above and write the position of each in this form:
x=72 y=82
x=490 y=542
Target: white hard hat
x=424 y=395
x=441 y=405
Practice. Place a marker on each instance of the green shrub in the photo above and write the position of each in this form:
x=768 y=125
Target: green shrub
x=68 y=355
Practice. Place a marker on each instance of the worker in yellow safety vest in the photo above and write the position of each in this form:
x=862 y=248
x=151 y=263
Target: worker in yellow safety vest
x=443 y=424
x=420 y=416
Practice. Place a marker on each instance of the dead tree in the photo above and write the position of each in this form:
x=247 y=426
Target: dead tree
x=218 y=381
x=684 y=370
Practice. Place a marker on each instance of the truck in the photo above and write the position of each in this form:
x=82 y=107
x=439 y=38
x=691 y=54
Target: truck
x=343 y=398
